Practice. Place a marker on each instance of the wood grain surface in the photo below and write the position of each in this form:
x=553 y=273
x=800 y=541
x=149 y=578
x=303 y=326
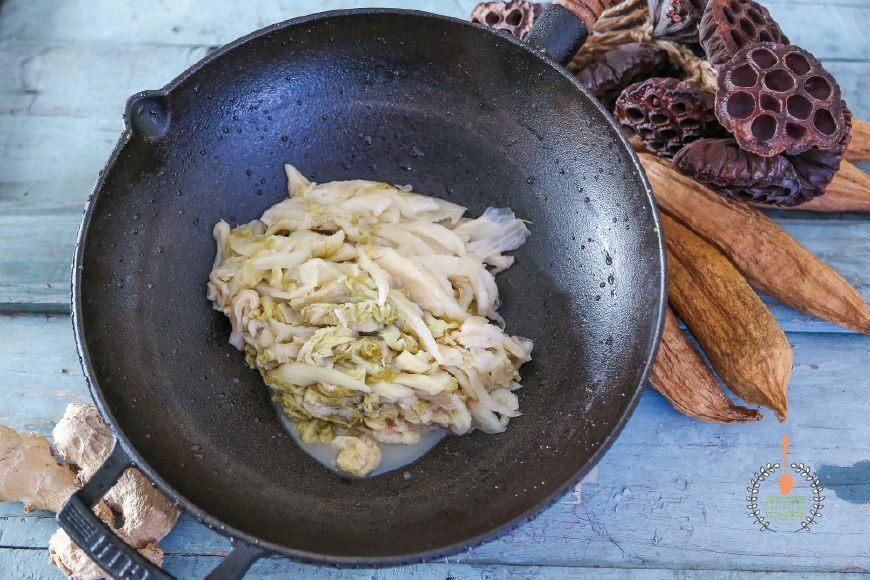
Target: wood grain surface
x=667 y=501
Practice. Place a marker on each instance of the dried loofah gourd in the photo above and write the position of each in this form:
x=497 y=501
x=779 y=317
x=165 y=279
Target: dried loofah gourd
x=516 y=16
x=730 y=25
x=676 y=20
x=608 y=72
x=777 y=98
x=667 y=114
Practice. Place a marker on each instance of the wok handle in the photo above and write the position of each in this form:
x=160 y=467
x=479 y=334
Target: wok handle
x=237 y=562
x=119 y=559
x=564 y=26
x=95 y=538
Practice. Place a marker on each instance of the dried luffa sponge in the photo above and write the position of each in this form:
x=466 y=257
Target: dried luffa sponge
x=684 y=379
x=667 y=114
x=773 y=261
x=859 y=147
x=727 y=26
x=742 y=339
x=777 y=98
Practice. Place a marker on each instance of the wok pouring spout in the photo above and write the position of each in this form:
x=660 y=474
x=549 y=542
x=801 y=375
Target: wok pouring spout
x=564 y=26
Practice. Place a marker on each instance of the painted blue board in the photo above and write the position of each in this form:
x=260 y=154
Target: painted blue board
x=668 y=495
x=666 y=502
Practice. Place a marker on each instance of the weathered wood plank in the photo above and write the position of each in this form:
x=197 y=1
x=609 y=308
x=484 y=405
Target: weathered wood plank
x=85 y=80
x=669 y=494
x=49 y=164
x=829 y=29
x=83 y=59
x=33 y=565
x=37 y=250
x=62 y=78
x=39 y=372
x=35 y=260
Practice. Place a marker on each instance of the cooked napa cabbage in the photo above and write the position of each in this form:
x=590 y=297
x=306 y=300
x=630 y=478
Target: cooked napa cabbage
x=369 y=309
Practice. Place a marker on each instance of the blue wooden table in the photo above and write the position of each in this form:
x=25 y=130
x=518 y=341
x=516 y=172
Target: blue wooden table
x=668 y=500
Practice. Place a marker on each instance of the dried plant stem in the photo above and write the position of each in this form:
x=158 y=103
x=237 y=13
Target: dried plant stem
x=741 y=337
x=697 y=69
x=684 y=379
x=773 y=261
x=623 y=15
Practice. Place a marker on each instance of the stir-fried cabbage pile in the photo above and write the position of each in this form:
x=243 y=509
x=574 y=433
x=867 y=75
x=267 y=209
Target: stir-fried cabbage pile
x=366 y=308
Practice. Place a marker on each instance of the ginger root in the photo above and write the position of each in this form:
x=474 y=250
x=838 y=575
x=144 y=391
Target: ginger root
x=29 y=473
x=72 y=561
x=84 y=439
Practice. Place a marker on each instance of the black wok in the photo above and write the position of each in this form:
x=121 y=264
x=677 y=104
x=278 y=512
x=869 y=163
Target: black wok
x=455 y=109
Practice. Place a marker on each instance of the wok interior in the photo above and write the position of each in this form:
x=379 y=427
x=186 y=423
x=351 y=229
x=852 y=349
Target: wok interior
x=456 y=111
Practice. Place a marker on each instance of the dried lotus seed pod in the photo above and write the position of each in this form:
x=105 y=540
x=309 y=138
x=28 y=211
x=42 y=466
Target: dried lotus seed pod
x=516 y=16
x=730 y=25
x=782 y=180
x=777 y=98
x=667 y=114
x=676 y=20
x=610 y=71
x=724 y=167
x=816 y=167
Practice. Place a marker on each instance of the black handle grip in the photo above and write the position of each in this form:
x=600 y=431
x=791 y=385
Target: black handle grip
x=237 y=562
x=115 y=556
x=559 y=33
x=99 y=542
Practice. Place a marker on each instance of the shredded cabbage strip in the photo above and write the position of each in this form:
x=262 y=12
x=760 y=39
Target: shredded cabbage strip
x=368 y=310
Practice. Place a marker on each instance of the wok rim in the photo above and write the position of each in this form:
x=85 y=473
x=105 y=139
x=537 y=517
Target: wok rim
x=213 y=523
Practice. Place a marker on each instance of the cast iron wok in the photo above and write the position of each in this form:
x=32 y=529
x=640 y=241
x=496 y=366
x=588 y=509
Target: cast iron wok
x=454 y=109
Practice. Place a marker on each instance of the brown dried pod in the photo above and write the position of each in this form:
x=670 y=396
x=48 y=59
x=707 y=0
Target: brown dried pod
x=676 y=20
x=727 y=26
x=667 y=114
x=684 y=379
x=859 y=147
x=777 y=98
x=773 y=261
x=611 y=71
x=742 y=339
x=724 y=167
x=516 y=16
